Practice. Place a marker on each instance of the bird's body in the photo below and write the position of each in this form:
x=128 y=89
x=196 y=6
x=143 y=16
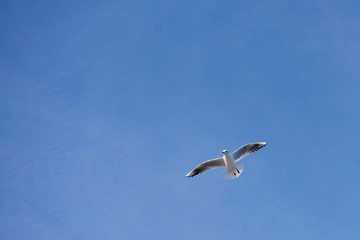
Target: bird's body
x=229 y=161
x=233 y=170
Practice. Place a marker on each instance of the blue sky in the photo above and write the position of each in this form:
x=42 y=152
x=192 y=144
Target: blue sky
x=106 y=105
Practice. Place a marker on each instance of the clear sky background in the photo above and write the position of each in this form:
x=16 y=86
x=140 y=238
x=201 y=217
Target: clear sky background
x=106 y=105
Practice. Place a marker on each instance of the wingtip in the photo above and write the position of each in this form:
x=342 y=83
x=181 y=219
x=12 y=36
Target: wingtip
x=262 y=144
x=191 y=174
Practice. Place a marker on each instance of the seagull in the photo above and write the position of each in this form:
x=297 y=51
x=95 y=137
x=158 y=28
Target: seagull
x=228 y=160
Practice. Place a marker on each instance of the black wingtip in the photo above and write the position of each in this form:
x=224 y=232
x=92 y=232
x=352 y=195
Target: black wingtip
x=261 y=145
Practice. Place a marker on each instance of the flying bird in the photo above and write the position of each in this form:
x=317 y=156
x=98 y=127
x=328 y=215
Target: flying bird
x=229 y=161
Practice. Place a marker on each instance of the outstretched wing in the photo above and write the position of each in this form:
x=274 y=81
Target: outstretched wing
x=210 y=164
x=247 y=149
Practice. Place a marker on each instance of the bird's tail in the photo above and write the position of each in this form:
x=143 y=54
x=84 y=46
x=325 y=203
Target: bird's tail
x=235 y=172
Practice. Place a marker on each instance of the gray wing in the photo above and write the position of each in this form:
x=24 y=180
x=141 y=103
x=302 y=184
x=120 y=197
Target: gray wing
x=210 y=164
x=247 y=149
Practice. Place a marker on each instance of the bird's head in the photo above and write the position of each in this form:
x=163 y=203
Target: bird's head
x=224 y=151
